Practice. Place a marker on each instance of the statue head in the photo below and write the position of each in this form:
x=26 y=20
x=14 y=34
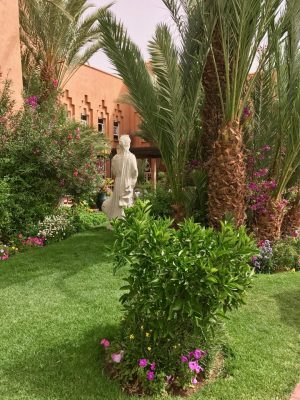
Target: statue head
x=124 y=142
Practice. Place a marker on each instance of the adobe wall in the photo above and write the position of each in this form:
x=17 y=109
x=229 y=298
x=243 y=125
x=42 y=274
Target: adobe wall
x=10 y=56
x=96 y=94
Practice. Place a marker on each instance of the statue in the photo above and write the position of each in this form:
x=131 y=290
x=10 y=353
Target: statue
x=124 y=171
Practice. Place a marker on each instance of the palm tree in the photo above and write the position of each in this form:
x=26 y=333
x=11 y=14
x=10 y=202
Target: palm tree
x=283 y=129
x=57 y=36
x=167 y=98
x=242 y=25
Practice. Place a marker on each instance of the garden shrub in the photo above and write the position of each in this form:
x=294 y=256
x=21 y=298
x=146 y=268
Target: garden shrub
x=43 y=156
x=283 y=255
x=85 y=218
x=286 y=255
x=179 y=284
x=160 y=199
x=56 y=227
x=5 y=212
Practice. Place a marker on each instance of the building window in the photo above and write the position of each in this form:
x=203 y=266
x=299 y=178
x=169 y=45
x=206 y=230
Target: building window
x=84 y=119
x=116 y=130
x=101 y=125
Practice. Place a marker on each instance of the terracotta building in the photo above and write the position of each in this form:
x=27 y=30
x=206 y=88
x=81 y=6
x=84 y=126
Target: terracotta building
x=10 y=55
x=91 y=96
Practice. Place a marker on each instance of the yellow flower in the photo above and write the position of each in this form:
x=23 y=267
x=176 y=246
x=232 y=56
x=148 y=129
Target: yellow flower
x=175 y=347
x=149 y=348
x=142 y=328
x=131 y=337
x=147 y=334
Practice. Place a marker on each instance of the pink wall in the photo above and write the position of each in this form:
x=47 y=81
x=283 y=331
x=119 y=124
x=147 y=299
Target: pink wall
x=10 y=57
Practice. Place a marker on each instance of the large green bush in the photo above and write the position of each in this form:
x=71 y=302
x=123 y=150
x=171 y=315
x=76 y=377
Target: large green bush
x=43 y=156
x=5 y=211
x=180 y=282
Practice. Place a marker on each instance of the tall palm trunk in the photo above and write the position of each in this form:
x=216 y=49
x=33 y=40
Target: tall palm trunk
x=291 y=220
x=227 y=176
x=212 y=114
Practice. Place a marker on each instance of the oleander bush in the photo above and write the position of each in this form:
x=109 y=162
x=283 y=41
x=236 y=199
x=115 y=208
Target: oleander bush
x=43 y=156
x=180 y=284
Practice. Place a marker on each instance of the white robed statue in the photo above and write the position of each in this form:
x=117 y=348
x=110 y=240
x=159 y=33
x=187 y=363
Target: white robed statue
x=124 y=171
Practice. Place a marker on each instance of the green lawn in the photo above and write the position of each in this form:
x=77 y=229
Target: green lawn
x=57 y=302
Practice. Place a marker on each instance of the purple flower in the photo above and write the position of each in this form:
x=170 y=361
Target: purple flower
x=153 y=366
x=117 y=357
x=184 y=359
x=246 y=112
x=150 y=375
x=143 y=362
x=194 y=380
x=198 y=354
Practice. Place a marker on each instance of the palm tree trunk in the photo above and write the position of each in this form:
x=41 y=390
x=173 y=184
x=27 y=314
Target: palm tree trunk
x=212 y=114
x=291 y=220
x=268 y=225
x=227 y=177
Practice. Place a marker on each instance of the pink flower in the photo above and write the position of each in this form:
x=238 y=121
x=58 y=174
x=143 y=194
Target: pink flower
x=253 y=186
x=75 y=173
x=184 y=359
x=32 y=101
x=198 y=354
x=266 y=147
x=70 y=137
x=117 y=357
x=169 y=378
x=194 y=380
x=55 y=83
x=294 y=234
x=4 y=257
x=153 y=366
x=193 y=365
x=143 y=362
x=150 y=375
x=105 y=343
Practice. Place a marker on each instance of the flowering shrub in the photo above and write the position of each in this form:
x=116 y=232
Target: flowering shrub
x=283 y=255
x=34 y=241
x=180 y=282
x=6 y=250
x=259 y=186
x=55 y=227
x=43 y=156
x=264 y=261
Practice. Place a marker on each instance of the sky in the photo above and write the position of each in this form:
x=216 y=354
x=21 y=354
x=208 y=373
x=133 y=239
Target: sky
x=140 y=17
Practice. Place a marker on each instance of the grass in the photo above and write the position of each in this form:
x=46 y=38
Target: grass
x=57 y=302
